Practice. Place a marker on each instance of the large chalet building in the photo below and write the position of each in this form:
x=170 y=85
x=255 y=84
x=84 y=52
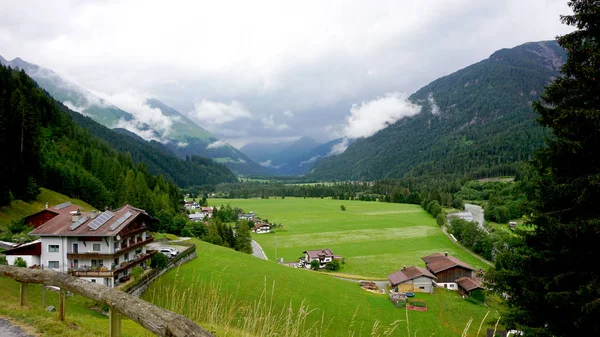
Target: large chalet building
x=447 y=269
x=101 y=247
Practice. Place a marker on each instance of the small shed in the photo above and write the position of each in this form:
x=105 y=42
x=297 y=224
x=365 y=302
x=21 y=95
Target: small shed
x=412 y=279
x=30 y=252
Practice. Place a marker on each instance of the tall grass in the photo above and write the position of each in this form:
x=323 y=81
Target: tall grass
x=225 y=314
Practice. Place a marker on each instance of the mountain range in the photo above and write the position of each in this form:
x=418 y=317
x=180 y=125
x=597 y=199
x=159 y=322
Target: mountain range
x=477 y=121
x=184 y=137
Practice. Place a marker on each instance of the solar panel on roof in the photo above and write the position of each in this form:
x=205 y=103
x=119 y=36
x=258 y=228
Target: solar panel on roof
x=100 y=220
x=63 y=205
x=120 y=220
x=79 y=222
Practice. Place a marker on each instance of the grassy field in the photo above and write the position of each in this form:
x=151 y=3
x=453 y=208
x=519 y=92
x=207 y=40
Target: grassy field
x=18 y=209
x=228 y=290
x=80 y=319
x=375 y=238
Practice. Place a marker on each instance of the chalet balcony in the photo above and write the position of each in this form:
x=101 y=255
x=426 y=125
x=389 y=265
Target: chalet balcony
x=137 y=259
x=87 y=271
x=111 y=256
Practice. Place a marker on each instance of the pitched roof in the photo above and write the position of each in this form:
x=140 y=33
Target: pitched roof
x=409 y=273
x=469 y=283
x=30 y=248
x=60 y=224
x=316 y=253
x=439 y=262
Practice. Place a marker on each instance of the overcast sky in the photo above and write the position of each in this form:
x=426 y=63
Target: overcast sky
x=271 y=70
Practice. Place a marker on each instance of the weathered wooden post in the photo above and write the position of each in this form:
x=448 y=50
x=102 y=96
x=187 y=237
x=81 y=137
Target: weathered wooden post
x=24 y=287
x=114 y=323
x=43 y=296
x=61 y=304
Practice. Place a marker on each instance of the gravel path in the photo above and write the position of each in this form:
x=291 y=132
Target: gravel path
x=258 y=251
x=9 y=330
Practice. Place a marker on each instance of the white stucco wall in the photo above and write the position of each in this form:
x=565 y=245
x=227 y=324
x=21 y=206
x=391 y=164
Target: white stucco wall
x=60 y=256
x=30 y=259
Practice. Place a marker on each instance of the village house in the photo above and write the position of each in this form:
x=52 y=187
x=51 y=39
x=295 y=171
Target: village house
x=261 y=227
x=467 y=285
x=39 y=218
x=248 y=216
x=98 y=247
x=196 y=217
x=191 y=205
x=412 y=279
x=447 y=269
x=207 y=211
x=322 y=255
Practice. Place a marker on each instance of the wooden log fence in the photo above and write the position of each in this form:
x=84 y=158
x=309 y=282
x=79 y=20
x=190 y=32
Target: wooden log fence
x=157 y=320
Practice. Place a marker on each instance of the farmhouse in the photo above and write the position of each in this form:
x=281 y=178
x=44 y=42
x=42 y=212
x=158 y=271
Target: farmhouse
x=248 y=216
x=196 y=217
x=207 y=211
x=447 y=269
x=413 y=279
x=192 y=205
x=467 y=285
x=322 y=255
x=37 y=219
x=98 y=247
x=261 y=227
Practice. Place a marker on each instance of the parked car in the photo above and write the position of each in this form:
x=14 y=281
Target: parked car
x=170 y=252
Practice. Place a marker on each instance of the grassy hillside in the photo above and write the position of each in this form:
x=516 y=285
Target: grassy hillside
x=375 y=238
x=226 y=289
x=19 y=209
x=80 y=319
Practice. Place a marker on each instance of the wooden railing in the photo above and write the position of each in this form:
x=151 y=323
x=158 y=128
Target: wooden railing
x=157 y=320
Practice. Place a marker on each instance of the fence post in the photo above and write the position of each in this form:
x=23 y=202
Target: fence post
x=43 y=296
x=61 y=304
x=114 y=323
x=24 y=287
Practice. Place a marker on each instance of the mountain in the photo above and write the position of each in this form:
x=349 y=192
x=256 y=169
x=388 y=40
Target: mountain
x=280 y=153
x=188 y=139
x=304 y=163
x=183 y=133
x=477 y=121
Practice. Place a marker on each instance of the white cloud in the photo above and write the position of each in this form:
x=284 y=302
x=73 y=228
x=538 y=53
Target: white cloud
x=339 y=148
x=435 y=109
x=73 y=107
x=139 y=129
x=311 y=160
x=269 y=123
x=216 y=144
x=213 y=112
x=267 y=163
x=182 y=144
x=368 y=117
x=288 y=113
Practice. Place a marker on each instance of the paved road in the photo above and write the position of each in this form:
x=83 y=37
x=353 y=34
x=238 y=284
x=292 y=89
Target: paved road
x=477 y=212
x=9 y=330
x=258 y=251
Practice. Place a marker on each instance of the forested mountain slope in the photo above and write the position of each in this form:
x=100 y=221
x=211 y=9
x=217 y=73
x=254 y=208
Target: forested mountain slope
x=183 y=130
x=476 y=121
x=40 y=145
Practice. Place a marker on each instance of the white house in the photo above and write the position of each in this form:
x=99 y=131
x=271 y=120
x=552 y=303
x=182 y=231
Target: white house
x=196 y=216
x=322 y=255
x=99 y=247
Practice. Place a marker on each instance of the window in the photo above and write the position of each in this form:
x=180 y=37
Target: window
x=452 y=286
x=53 y=248
x=422 y=288
x=53 y=264
x=96 y=247
x=101 y=263
x=93 y=280
x=127 y=256
x=94 y=263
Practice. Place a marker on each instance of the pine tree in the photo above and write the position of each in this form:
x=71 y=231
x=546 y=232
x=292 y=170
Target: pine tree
x=552 y=276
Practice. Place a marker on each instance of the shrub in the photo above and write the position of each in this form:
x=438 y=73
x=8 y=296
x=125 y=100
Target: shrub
x=19 y=262
x=137 y=272
x=441 y=219
x=159 y=261
x=3 y=260
x=343 y=208
x=314 y=265
x=333 y=265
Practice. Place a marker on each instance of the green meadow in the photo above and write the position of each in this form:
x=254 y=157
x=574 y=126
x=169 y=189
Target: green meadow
x=375 y=238
x=227 y=291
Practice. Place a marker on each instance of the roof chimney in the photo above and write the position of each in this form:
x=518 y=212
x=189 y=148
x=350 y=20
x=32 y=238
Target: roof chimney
x=46 y=205
x=446 y=253
x=404 y=267
x=75 y=215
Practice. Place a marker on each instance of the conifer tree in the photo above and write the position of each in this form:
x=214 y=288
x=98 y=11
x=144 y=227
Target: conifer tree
x=551 y=278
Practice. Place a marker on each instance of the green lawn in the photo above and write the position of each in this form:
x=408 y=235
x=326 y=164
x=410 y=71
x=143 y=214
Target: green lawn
x=80 y=320
x=375 y=238
x=19 y=209
x=238 y=280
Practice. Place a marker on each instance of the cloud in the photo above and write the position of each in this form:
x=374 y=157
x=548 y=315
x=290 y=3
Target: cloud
x=311 y=160
x=267 y=163
x=368 y=117
x=288 y=114
x=435 y=109
x=216 y=144
x=269 y=123
x=139 y=129
x=339 y=148
x=213 y=112
x=182 y=144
